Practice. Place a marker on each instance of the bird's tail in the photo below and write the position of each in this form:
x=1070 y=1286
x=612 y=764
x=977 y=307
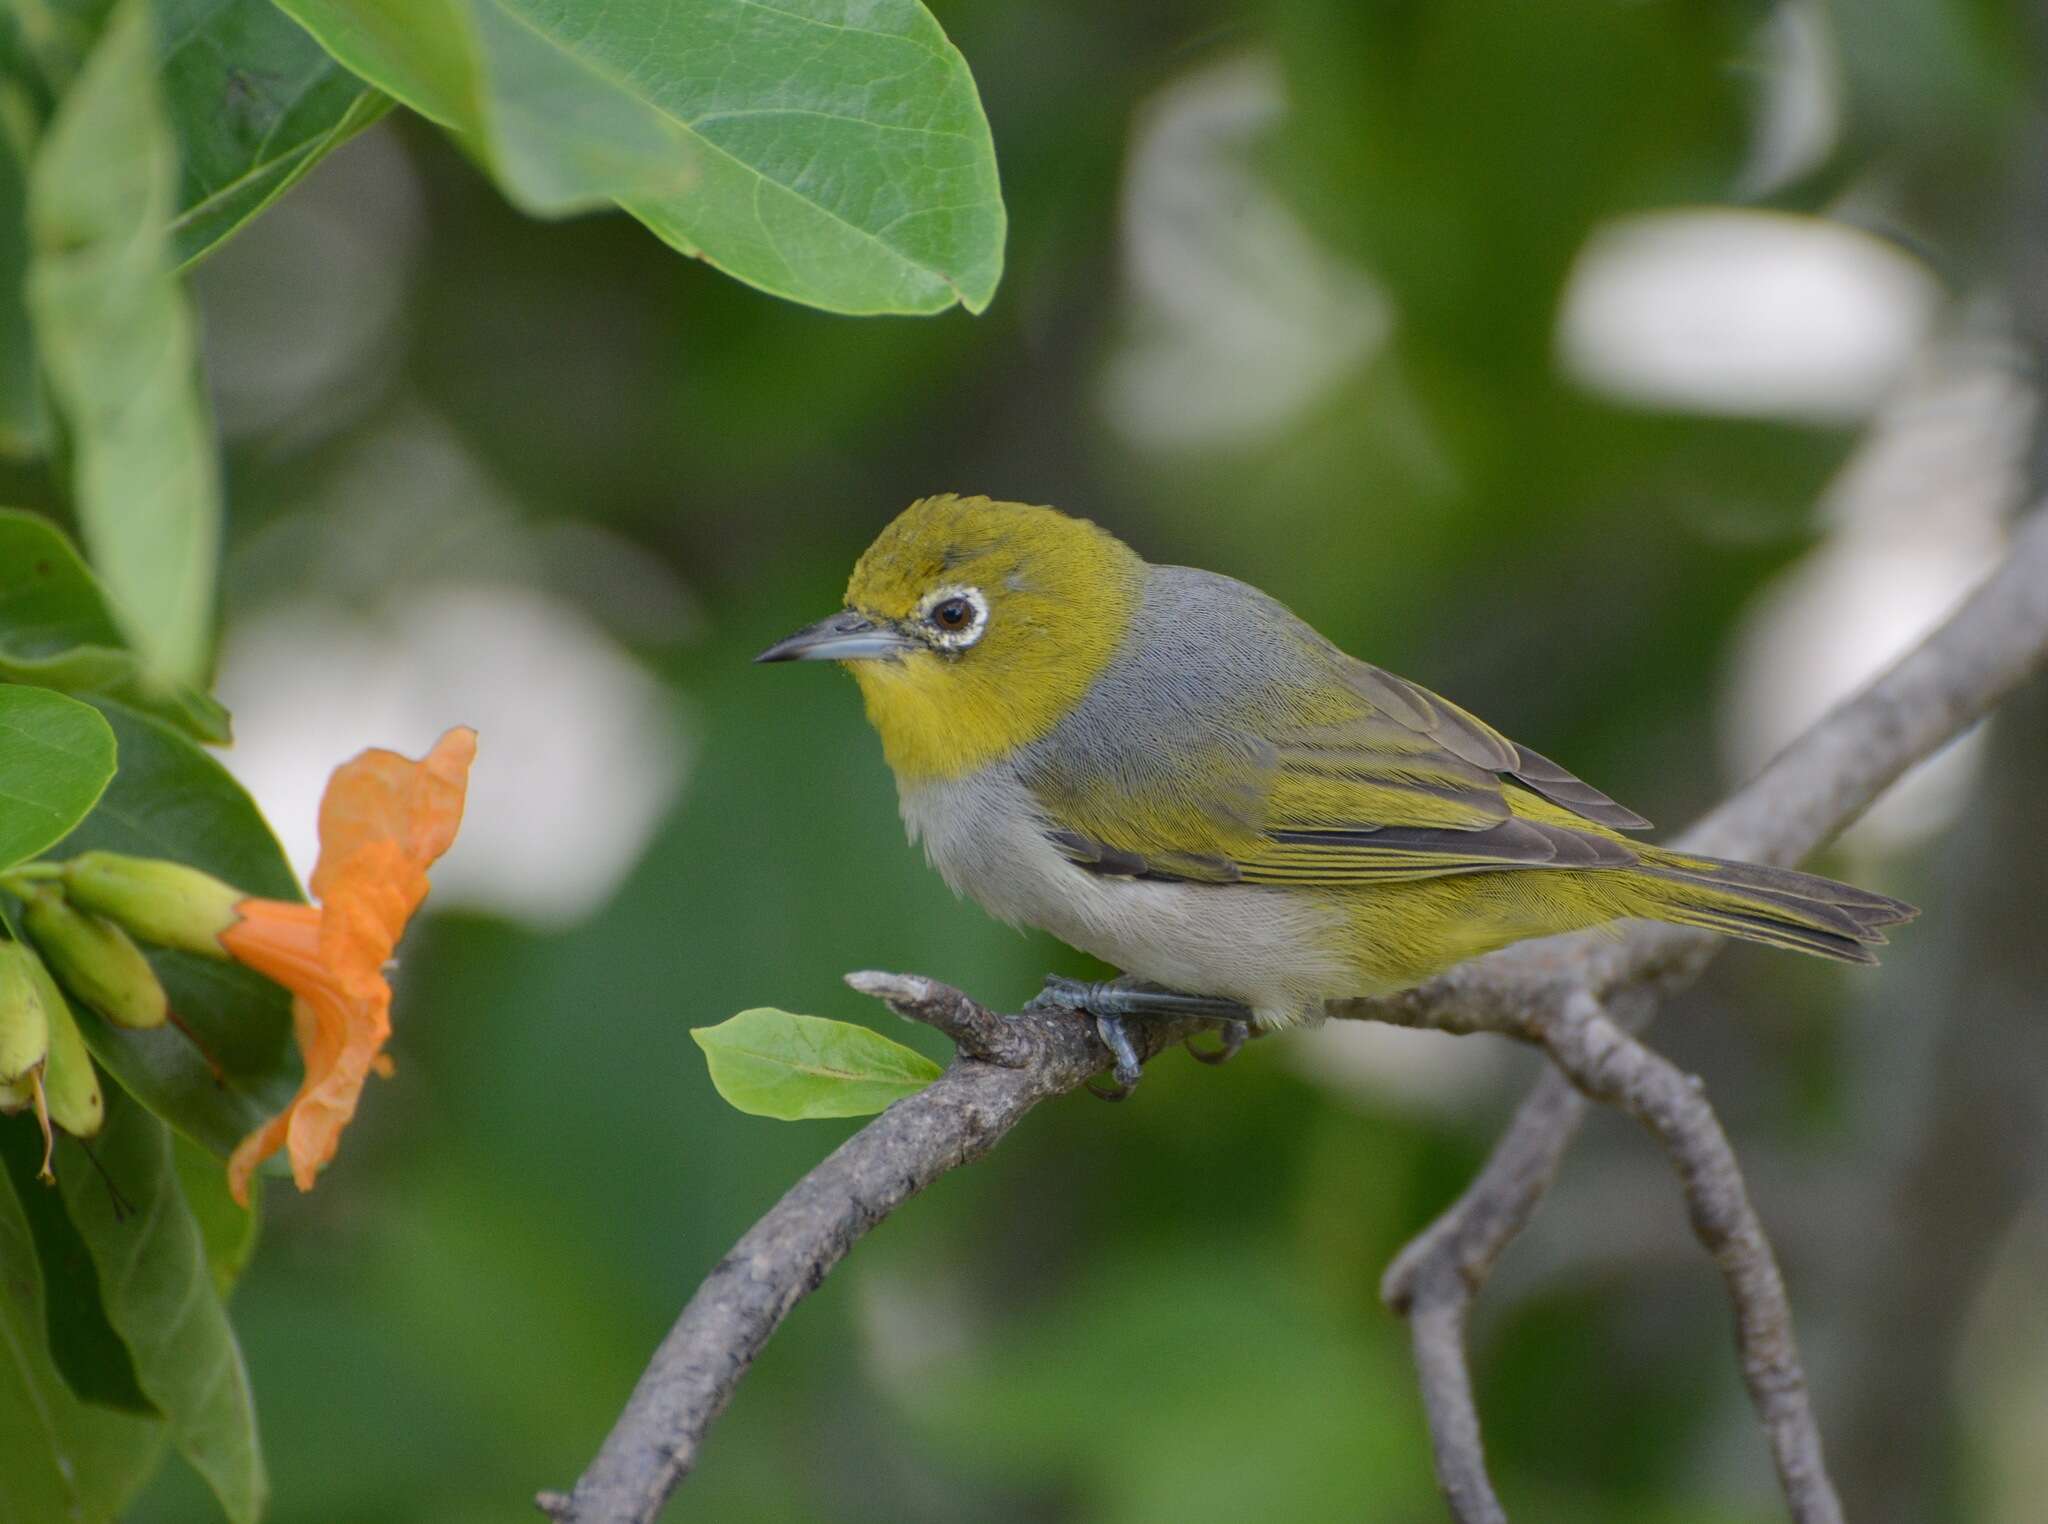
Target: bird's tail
x=1776 y=906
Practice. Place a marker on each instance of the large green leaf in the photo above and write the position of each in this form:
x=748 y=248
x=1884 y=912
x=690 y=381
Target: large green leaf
x=255 y=103
x=22 y=424
x=119 y=348
x=772 y=1063
x=158 y=1290
x=60 y=1458
x=170 y=799
x=832 y=153
x=56 y=630
x=227 y=1229
x=56 y=756
x=88 y=1353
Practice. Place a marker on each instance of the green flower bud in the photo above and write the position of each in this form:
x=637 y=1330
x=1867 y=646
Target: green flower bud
x=24 y=1026
x=162 y=902
x=71 y=1089
x=19 y=1095
x=96 y=960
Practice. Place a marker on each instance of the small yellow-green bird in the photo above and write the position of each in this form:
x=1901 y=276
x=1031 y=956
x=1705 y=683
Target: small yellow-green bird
x=1165 y=768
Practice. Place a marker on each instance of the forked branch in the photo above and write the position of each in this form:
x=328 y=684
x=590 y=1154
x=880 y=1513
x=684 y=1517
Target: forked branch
x=1579 y=997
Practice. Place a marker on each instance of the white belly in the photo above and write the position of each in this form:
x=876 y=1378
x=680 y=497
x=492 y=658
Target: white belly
x=1260 y=946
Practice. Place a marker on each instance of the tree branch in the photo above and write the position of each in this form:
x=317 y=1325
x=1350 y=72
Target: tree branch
x=1005 y=1066
x=1610 y=1065
x=1993 y=642
x=1577 y=996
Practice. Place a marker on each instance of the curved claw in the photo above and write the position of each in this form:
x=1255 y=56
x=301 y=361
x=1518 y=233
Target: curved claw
x=1117 y=1038
x=1235 y=1035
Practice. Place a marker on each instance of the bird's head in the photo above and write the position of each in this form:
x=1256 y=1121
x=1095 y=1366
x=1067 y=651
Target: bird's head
x=974 y=626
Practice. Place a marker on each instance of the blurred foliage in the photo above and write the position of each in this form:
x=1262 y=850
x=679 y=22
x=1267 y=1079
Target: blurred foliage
x=835 y=159
x=1164 y=1310
x=117 y=343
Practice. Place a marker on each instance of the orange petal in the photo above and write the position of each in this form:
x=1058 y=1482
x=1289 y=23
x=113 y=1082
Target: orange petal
x=381 y=797
x=383 y=822
x=340 y=1036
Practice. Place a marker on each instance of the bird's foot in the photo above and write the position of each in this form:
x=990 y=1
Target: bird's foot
x=1113 y=1003
x=1233 y=1034
x=1115 y=1033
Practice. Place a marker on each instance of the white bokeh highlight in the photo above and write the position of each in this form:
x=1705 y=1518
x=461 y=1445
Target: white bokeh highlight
x=580 y=749
x=1238 y=318
x=1745 y=314
x=1917 y=518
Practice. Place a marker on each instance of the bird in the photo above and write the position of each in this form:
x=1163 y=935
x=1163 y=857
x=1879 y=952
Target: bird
x=1164 y=767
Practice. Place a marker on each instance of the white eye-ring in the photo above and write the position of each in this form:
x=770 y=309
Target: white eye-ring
x=955 y=616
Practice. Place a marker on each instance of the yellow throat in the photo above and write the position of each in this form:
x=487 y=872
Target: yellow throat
x=1061 y=593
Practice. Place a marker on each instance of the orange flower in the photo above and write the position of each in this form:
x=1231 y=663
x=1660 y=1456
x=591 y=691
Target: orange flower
x=383 y=821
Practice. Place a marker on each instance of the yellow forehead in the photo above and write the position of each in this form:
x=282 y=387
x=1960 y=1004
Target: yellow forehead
x=973 y=541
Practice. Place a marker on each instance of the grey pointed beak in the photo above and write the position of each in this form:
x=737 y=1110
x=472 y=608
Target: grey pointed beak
x=846 y=636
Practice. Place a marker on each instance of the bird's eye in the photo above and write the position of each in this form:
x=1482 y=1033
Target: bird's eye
x=954 y=616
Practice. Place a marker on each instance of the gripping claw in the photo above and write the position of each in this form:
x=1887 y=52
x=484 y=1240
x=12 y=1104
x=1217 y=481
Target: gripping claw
x=1234 y=1034
x=1116 y=1037
x=1115 y=1002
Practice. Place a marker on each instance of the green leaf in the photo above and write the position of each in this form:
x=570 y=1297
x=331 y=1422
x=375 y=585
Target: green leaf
x=120 y=352
x=60 y=1458
x=22 y=424
x=88 y=1353
x=159 y=1295
x=228 y=1231
x=255 y=103
x=57 y=631
x=56 y=757
x=170 y=799
x=831 y=154
x=771 y=1063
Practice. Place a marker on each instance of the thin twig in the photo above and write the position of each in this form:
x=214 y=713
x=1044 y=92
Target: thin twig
x=1535 y=991
x=1610 y=1065
x=1992 y=643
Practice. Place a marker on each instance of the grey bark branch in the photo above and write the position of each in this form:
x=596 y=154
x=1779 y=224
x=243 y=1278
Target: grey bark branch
x=1610 y=1065
x=1579 y=997
x=1993 y=642
x=1006 y=1065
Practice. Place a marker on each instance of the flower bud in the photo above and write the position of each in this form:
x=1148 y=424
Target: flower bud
x=19 y=1095
x=70 y=1088
x=96 y=960
x=24 y=1026
x=162 y=902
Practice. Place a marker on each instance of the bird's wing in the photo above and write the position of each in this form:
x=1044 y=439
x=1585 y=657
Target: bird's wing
x=1388 y=782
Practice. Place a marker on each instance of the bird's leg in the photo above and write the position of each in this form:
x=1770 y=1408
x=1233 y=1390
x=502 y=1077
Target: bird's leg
x=1114 y=1002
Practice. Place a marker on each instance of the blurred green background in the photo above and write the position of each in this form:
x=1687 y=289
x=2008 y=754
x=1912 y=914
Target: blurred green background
x=1641 y=375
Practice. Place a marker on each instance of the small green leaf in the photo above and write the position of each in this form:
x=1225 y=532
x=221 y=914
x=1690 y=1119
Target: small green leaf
x=170 y=799
x=255 y=103
x=771 y=1063
x=57 y=631
x=56 y=757
x=120 y=352
x=159 y=1295
x=836 y=155
x=60 y=1458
